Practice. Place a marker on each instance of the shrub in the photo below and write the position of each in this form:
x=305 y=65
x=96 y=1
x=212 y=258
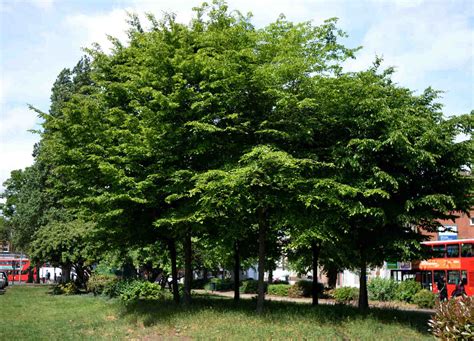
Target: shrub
x=381 y=289
x=140 y=290
x=199 y=283
x=69 y=288
x=345 y=295
x=303 y=289
x=407 y=290
x=219 y=284
x=277 y=281
x=278 y=289
x=97 y=284
x=424 y=299
x=454 y=320
x=250 y=286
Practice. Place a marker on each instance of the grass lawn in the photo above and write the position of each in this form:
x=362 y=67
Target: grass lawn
x=31 y=313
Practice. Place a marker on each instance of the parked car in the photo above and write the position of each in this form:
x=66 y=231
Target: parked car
x=3 y=280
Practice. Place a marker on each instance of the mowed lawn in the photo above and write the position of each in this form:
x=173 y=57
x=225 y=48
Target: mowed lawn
x=31 y=313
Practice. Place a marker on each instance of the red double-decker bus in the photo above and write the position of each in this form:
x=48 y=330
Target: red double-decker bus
x=453 y=259
x=16 y=266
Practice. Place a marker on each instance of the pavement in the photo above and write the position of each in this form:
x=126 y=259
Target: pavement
x=306 y=300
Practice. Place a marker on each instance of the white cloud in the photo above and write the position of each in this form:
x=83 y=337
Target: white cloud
x=419 y=40
x=43 y=4
x=16 y=121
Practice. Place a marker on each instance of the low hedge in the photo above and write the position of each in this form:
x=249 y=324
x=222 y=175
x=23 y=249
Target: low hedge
x=424 y=299
x=304 y=289
x=407 y=290
x=219 y=284
x=278 y=289
x=101 y=284
x=345 y=295
x=250 y=286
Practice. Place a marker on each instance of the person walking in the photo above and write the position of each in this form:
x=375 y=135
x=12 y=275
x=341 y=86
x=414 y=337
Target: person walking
x=48 y=276
x=442 y=289
x=460 y=289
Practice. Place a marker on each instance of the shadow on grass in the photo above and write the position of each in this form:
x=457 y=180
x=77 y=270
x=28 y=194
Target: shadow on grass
x=154 y=312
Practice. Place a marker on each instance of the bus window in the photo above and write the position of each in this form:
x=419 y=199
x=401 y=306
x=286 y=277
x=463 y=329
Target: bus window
x=452 y=251
x=438 y=274
x=467 y=250
x=453 y=277
x=439 y=251
x=464 y=275
x=426 y=278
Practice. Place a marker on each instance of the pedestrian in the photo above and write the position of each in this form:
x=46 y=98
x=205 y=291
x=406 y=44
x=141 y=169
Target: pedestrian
x=460 y=289
x=442 y=289
x=48 y=276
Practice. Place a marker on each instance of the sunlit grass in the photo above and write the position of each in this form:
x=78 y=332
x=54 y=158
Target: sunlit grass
x=31 y=313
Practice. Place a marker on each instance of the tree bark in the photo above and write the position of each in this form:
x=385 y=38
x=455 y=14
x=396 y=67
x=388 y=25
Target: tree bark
x=363 y=297
x=262 y=231
x=66 y=273
x=174 y=270
x=270 y=275
x=315 y=259
x=188 y=271
x=236 y=271
x=37 y=278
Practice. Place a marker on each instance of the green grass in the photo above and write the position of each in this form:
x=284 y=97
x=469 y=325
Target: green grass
x=31 y=313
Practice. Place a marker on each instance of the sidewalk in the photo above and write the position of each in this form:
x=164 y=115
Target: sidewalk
x=306 y=300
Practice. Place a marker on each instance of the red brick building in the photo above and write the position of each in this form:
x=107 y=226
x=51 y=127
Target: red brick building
x=461 y=228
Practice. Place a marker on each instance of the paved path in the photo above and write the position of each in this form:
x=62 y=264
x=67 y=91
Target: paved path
x=373 y=304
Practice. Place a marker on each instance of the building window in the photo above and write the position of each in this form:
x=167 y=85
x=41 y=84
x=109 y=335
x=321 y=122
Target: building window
x=471 y=221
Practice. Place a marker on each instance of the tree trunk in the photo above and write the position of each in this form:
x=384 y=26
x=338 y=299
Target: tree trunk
x=262 y=230
x=236 y=272
x=270 y=275
x=30 y=275
x=205 y=273
x=37 y=278
x=315 y=259
x=174 y=270
x=188 y=271
x=66 y=273
x=332 y=277
x=363 y=297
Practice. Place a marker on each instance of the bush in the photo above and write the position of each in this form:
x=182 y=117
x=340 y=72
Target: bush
x=69 y=288
x=277 y=281
x=219 y=284
x=134 y=290
x=407 y=290
x=250 y=286
x=454 y=320
x=199 y=283
x=345 y=295
x=381 y=289
x=278 y=289
x=101 y=284
x=424 y=299
x=303 y=289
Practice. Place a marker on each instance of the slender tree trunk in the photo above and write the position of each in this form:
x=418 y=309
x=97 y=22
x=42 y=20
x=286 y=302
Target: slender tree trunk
x=236 y=271
x=174 y=269
x=363 y=297
x=188 y=271
x=205 y=273
x=270 y=275
x=37 y=278
x=315 y=259
x=332 y=277
x=30 y=275
x=262 y=231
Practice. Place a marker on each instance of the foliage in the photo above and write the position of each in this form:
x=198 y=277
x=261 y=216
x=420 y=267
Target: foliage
x=381 y=289
x=219 y=284
x=279 y=289
x=407 y=290
x=425 y=299
x=454 y=319
x=134 y=290
x=101 y=284
x=69 y=288
x=344 y=295
x=250 y=286
x=200 y=283
x=304 y=289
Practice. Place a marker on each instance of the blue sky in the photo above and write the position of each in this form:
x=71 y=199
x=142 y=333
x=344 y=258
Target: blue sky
x=430 y=42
